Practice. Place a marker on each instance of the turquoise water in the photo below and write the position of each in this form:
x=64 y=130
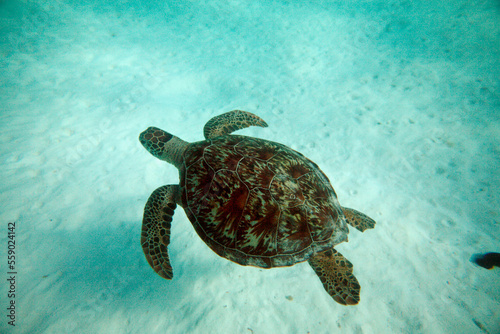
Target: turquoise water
x=396 y=101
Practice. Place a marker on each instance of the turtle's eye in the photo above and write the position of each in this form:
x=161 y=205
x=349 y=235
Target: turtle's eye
x=164 y=137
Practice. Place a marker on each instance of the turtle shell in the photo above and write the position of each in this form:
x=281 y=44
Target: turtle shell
x=259 y=203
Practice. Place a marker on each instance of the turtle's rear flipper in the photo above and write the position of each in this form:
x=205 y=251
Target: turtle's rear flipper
x=335 y=272
x=155 y=234
x=358 y=219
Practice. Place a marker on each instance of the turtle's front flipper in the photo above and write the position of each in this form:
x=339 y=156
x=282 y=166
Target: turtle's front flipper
x=358 y=220
x=155 y=235
x=231 y=121
x=335 y=272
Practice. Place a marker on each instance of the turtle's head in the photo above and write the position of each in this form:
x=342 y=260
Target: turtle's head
x=163 y=145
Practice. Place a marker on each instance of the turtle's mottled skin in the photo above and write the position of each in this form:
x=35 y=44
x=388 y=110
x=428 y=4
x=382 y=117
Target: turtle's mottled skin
x=252 y=201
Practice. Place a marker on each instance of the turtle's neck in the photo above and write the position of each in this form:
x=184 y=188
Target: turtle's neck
x=174 y=150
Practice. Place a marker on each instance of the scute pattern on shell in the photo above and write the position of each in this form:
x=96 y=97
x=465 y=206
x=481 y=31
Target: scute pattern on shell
x=259 y=203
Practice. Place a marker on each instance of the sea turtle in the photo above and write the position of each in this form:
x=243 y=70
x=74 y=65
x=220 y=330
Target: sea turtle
x=252 y=201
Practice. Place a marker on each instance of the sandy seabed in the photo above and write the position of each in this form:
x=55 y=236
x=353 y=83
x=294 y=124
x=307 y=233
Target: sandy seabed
x=396 y=101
